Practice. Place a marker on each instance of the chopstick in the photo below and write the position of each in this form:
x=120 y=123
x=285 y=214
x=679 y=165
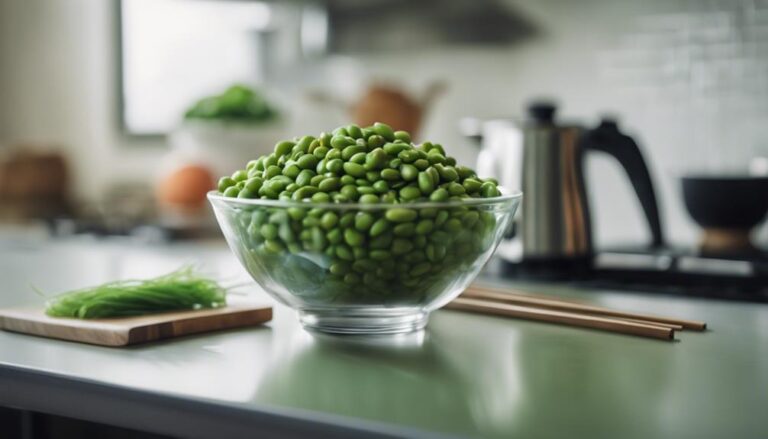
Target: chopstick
x=564 y=318
x=483 y=293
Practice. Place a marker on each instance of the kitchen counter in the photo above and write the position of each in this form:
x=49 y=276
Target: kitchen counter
x=466 y=375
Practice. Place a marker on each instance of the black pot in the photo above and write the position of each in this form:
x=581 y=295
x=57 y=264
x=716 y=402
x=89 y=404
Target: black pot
x=728 y=204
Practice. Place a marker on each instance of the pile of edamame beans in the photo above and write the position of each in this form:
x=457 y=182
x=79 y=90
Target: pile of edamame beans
x=369 y=243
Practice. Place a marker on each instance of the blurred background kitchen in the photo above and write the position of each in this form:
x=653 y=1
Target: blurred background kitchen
x=117 y=116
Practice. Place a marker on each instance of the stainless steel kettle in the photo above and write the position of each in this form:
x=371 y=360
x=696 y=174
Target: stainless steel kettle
x=546 y=161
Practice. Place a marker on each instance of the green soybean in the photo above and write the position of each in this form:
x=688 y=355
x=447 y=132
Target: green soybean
x=400 y=215
x=384 y=131
x=354 y=169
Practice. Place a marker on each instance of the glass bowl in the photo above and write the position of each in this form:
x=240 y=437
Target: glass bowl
x=364 y=268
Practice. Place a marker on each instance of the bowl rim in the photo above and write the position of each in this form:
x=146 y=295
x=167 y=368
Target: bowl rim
x=506 y=196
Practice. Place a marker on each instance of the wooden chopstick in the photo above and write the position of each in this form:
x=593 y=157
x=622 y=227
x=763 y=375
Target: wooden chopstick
x=646 y=322
x=476 y=292
x=563 y=318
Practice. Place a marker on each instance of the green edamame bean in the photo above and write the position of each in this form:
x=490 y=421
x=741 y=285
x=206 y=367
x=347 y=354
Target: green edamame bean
x=424 y=226
x=296 y=213
x=349 y=191
x=231 y=191
x=453 y=225
x=245 y=193
x=320 y=152
x=347 y=179
x=380 y=226
x=240 y=175
x=303 y=144
x=273 y=246
x=376 y=159
x=366 y=190
x=304 y=192
x=434 y=157
x=409 y=172
x=404 y=229
x=353 y=237
x=358 y=158
x=393 y=149
x=354 y=169
x=456 y=189
x=400 y=215
x=389 y=197
x=441 y=218
x=426 y=184
x=341 y=142
x=381 y=186
x=225 y=182
x=364 y=221
x=488 y=190
x=376 y=141
x=384 y=131
x=321 y=197
x=410 y=193
x=403 y=135
x=390 y=174
x=349 y=151
x=307 y=161
x=471 y=185
x=272 y=171
x=334 y=236
x=408 y=155
x=439 y=195
x=325 y=139
x=335 y=165
x=268 y=231
x=329 y=184
x=447 y=173
x=368 y=198
x=354 y=131
x=329 y=220
x=421 y=164
x=283 y=148
x=344 y=252
x=254 y=184
x=304 y=177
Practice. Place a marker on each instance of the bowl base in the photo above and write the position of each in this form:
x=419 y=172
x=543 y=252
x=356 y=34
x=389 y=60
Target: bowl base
x=362 y=321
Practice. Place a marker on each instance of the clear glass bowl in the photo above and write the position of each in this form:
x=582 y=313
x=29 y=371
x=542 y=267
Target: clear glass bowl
x=364 y=268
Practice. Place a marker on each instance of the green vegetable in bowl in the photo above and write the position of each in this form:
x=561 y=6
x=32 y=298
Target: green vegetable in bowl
x=237 y=103
x=368 y=217
x=180 y=290
x=375 y=164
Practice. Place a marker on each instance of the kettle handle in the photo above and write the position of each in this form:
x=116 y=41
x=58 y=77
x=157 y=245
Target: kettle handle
x=607 y=138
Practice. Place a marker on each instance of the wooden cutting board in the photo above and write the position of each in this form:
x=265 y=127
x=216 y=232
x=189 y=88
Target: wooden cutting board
x=132 y=330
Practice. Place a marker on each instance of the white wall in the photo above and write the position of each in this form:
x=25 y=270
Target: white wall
x=58 y=87
x=57 y=83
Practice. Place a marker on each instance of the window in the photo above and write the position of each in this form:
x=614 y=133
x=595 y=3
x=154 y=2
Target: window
x=174 y=52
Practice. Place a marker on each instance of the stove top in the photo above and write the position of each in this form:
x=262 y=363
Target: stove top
x=679 y=272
